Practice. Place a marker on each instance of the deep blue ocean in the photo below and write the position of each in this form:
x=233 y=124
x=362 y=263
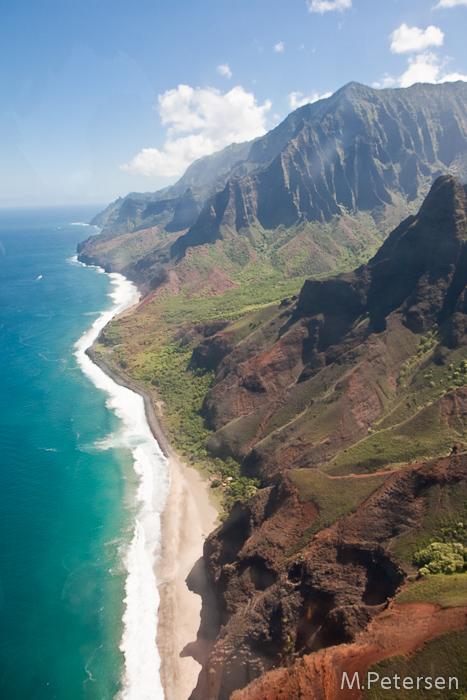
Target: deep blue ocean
x=78 y=477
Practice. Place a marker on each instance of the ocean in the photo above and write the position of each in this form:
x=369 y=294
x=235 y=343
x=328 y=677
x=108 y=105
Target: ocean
x=82 y=481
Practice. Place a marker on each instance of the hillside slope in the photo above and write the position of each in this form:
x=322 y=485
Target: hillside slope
x=296 y=613
x=326 y=368
x=329 y=402
x=347 y=406
x=318 y=192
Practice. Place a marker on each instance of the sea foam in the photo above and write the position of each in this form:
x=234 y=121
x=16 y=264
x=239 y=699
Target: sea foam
x=141 y=679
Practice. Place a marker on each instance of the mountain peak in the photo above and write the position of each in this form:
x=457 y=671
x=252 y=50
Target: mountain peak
x=419 y=261
x=350 y=166
x=419 y=269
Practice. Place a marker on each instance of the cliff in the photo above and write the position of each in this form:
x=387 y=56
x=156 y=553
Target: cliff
x=329 y=402
x=317 y=192
x=298 y=611
x=312 y=381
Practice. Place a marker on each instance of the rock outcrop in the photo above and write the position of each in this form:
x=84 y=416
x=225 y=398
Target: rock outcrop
x=280 y=609
x=356 y=151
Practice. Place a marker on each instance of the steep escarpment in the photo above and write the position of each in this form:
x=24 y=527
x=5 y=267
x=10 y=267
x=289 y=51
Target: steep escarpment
x=314 y=380
x=319 y=191
x=337 y=400
x=412 y=634
x=287 y=595
x=332 y=409
x=356 y=151
x=175 y=206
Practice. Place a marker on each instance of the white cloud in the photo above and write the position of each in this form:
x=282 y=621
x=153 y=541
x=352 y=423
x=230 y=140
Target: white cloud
x=279 y=47
x=322 y=6
x=386 y=81
x=298 y=99
x=224 y=69
x=412 y=39
x=423 y=68
x=453 y=78
x=200 y=121
x=449 y=3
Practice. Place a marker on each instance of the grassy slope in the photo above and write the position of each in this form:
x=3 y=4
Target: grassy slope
x=334 y=498
x=302 y=250
x=150 y=347
x=446 y=591
x=445 y=520
x=443 y=656
x=413 y=427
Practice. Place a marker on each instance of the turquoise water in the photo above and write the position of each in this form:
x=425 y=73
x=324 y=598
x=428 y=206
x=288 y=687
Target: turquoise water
x=69 y=493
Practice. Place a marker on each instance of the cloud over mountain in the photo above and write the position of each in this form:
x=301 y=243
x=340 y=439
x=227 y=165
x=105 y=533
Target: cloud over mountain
x=200 y=121
x=298 y=99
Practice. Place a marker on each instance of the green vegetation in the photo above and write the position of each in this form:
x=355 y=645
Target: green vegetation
x=445 y=657
x=127 y=248
x=312 y=404
x=427 y=342
x=457 y=375
x=159 y=359
x=446 y=591
x=247 y=324
x=445 y=521
x=333 y=498
x=421 y=437
x=453 y=530
x=415 y=425
x=255 y=292
x=441 y=558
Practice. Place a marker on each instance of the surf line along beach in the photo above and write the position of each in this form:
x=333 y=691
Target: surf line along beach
x=174 y=516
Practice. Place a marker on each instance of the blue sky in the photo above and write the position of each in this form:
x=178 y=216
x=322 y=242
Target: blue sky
x=100 y=98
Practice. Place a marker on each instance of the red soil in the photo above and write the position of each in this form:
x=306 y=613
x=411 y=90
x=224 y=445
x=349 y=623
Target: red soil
x=401 y=629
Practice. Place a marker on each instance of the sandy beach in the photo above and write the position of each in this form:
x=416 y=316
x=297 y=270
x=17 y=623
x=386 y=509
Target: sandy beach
x=188 y=518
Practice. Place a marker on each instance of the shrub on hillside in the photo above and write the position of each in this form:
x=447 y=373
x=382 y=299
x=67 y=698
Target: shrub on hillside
x=441 y=558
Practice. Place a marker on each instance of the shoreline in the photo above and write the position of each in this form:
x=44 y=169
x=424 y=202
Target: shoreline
x=151 y=416
x=188 y=517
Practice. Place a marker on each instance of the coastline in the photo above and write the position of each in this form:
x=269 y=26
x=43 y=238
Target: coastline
x=188 y=517
x=151 y=417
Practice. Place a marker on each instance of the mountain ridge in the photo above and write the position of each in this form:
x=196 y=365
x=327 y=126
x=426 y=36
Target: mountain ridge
x=333 y=529
x=406 y=284
x=344 y=409
x=314 y=193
